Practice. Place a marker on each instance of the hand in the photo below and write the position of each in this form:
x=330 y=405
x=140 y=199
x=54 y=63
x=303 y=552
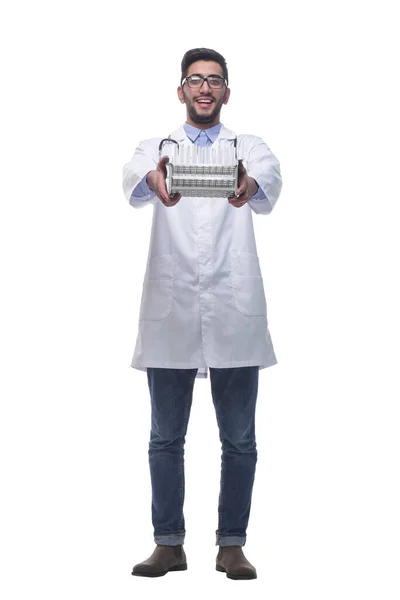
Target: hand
x=156 y=182
x=246 y=190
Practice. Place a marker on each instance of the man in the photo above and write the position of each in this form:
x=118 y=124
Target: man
x=203 y=307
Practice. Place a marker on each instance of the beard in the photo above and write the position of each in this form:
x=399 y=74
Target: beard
x=200 y=118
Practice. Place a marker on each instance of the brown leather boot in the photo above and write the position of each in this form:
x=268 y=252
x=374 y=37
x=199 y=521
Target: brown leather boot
x=163 y=559
x=232 y=561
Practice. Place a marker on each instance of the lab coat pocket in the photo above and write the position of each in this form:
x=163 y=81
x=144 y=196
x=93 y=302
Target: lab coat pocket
x=157 y=289
x=247 y=285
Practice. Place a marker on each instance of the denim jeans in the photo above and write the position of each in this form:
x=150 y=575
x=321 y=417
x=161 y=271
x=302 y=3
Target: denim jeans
x=234 y=393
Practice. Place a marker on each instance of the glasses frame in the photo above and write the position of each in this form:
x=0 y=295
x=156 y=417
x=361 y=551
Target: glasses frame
x=185 y=80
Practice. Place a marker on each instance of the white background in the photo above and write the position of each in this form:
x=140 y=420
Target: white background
x=83 y=83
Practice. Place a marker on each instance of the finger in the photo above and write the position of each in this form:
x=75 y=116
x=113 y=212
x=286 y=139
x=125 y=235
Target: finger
x=172 y=200
x=241 y=189
x=237 y=203
x=176 y=197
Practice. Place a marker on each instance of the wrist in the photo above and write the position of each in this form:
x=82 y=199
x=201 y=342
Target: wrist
x=151 y=180
x=253 y=186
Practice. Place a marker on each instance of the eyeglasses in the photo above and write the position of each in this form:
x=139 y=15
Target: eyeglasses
x=196 y=81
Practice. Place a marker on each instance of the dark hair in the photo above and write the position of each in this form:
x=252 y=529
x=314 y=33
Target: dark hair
x=196 y=54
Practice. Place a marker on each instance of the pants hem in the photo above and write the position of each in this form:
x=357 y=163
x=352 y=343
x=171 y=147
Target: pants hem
x=230 y=540
x=170 y=539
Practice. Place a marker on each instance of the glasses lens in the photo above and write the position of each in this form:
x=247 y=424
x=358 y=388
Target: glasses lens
x=194 y=81
x=215 y=82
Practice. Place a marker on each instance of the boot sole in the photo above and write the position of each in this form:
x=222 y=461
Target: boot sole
x=161 y=573
x=222 y=570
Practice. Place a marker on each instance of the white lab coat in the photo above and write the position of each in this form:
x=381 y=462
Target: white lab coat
x=203 y=303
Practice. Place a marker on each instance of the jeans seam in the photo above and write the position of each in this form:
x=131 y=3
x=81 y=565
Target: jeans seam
x=187 y=406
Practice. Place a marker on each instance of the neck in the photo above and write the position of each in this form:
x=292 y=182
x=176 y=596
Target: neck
x=190 y=121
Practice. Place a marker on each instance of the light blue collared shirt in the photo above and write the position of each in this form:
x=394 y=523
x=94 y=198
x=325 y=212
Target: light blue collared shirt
x=200 y=137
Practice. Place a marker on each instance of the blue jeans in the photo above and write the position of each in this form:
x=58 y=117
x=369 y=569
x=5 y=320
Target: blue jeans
x=234 y=393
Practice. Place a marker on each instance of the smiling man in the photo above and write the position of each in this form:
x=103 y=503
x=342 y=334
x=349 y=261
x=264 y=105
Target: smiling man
x=203 y=308
x=204 y=97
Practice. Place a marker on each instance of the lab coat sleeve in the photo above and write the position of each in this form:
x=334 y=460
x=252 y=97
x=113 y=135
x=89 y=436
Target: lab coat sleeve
x=144 y=160
x=142 y=188
x=264 y=167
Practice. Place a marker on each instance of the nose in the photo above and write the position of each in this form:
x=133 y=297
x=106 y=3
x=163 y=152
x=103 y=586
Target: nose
x=205 y=83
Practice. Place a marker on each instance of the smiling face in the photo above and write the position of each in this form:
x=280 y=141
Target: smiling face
x=203 y=105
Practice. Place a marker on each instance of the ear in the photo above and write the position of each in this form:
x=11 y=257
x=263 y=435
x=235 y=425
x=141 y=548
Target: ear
x=180 y=95
x=227 y=95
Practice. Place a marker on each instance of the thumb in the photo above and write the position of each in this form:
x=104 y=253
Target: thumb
x=161 y=165
x=241 y=170
x=241 y=179
x=163 y=161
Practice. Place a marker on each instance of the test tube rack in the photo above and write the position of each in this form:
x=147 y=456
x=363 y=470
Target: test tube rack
x=196 y=171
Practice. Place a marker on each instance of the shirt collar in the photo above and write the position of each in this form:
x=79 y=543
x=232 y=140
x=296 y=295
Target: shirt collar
x=193 y=132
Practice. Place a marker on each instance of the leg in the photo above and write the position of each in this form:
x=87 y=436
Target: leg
x=171 y=392
x=234 y=393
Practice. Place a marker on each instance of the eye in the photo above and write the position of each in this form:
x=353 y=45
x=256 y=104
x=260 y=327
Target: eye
x=194 y=79
x=216 y=82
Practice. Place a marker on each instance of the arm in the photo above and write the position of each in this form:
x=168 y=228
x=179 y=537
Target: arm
x=142 y=189
x=259 y=195
x=136 y=188
x=144 y=177
x=263 y=166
